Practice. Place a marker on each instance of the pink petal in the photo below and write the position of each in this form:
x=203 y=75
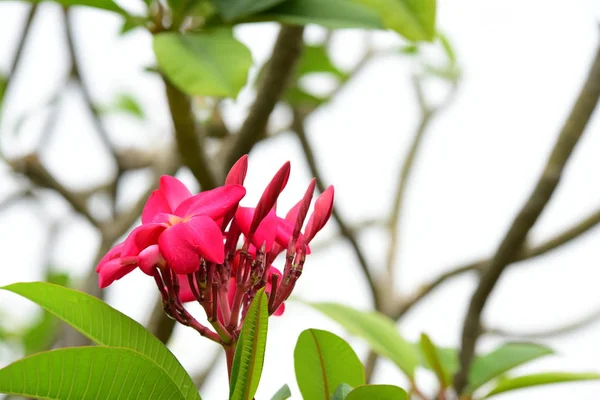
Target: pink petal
x=270 y=195
x=284 y=235
x=214 y=203
x=321 y=214
x=237 y=173
x=183 y=244
x=113 y=270
x=174 y=191
x=156 y=204
x=113 y=253
x=149 y=259
x=266 y=231
x=280 y=310
x=185 y=292
x=141 y=237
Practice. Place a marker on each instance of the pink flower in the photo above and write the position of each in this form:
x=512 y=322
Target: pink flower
x=178 y=230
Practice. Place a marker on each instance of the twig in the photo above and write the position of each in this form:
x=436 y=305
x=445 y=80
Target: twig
x=515 y=237
x=189 y=137
x=277 y=73
x=345 y=230
x=562 y=330
x=355 y=228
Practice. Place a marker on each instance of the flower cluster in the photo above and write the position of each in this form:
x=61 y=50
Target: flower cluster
x=208 y=248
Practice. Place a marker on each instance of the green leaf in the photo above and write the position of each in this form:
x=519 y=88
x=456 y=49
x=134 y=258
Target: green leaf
x=105 y=326
x=283 y=393
x=504 y=358
x=432 y=355
x=233 y=9
x=322 y=362
x=377 y=330
x=377 y=392
x=3 y=84
x=333 y=14
x=316 y=60
x=448 y=358
x=128 y=104
x=545 y=378
x=250 y=351
x=84 y=373
x=301 y=98
x=447 y=48
x=413 y=19
x=208 y=64
x=341 y=392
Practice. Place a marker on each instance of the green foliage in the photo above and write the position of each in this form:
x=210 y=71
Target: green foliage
x=283 y=393
x=105 y=326
x=546 y=378
x=434 y=359
x=341 y=392
x=330 y=14
x=125 y=103
x=322 y=362
x=504 y=358
x=250 y=351
x=316 y=60
x=377 y=392
x=207 y=64
x=377 y=330
x=89 y=373
x=108 y=5
x=3 y=84
x=233 y=9
x=413 y=19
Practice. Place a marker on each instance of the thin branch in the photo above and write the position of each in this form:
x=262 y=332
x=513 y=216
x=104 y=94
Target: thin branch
x=514 y=239
x=562 y=330
x=355 y=228
x=277 y=74
x=345 y=230
x=189 y=137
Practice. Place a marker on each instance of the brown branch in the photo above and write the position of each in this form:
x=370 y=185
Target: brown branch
x=189 y=137
x=562 y=330
x=345 y=230
x=277 y=73
x=514 y=239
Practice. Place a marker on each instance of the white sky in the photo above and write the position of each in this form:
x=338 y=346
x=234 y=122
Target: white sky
x=523 y=64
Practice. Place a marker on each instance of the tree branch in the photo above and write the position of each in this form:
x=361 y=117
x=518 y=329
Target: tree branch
x=277 y=73
x=514 y=239
x=345 y=229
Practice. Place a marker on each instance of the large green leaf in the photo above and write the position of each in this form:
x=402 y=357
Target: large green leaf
x=315 y=59
x=413 y=19
x=83 y=373
x=377 y=330
x=434 y=359
x=233 y=9
x=504 y=358
x=207 y=64
x=283 y=393
x=323 y=361
x=331 y=14
x=250 y=351
x=545 y=378
x=106 y=326
x=377 y=392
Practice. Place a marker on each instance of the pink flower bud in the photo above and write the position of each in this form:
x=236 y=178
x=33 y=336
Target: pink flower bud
x=270 y=195
x=237 y=173
x=321 y=214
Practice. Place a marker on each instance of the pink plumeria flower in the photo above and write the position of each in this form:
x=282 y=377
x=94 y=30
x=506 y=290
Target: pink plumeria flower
x=178 y=230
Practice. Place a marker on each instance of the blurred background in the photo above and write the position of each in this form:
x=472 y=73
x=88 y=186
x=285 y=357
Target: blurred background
x=487 y=113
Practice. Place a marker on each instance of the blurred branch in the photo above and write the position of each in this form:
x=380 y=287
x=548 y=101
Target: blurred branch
x=277 y=73
x=514 y=239
x=189 y=137
x=562 y=330
x=345 y=230
x=355 y=229
x=19 y=51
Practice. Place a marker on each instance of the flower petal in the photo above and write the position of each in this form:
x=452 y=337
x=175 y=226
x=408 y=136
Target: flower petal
x=156 y=204
x=266 y=231
x=141 y=237
x=113 y=270
x=214 y=203
x=237 y=173
x=280 y=310
x=183 y=244
x=269 y=197
x=113 y=253
x=150 y=258
x=321 y=213
x=174 y=191
x=185 y=292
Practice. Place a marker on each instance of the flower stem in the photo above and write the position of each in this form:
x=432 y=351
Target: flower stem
x=229 y=353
